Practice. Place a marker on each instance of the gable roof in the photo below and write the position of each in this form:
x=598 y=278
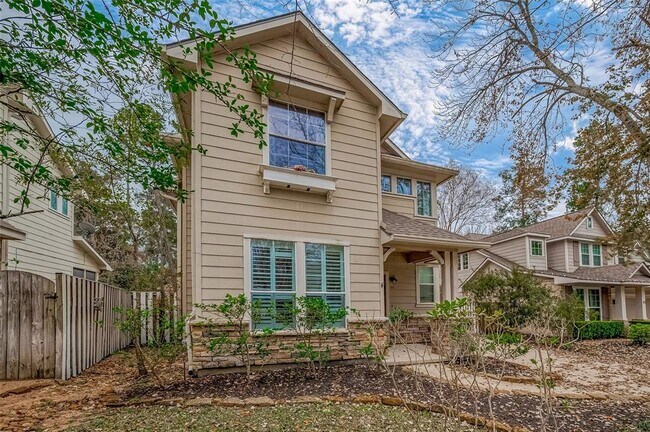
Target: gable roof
x=390 y=116
x=554 y=228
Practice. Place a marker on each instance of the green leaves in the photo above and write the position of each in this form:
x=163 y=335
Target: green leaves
x=80 y=62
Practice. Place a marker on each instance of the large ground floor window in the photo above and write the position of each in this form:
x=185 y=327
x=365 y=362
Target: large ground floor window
x=279 y=271
x=592 y=299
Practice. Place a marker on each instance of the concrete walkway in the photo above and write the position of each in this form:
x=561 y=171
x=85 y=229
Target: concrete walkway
x=410 y=354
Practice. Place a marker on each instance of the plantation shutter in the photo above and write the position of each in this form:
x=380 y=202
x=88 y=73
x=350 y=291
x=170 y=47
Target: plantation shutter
x=325 y=273
x=273 y=281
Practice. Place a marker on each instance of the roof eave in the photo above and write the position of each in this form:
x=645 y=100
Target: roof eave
x=419 y=240
x=90 y=250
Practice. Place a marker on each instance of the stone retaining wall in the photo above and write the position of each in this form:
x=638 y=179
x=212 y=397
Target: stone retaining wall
x=413 y=330
x=344 y=344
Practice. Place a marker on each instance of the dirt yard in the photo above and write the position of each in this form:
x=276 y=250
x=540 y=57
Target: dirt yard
x=111 y=390
x=613 y=366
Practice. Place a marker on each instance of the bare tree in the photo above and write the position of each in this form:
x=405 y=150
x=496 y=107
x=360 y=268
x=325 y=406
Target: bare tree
x=529 y=66
x=466 y=202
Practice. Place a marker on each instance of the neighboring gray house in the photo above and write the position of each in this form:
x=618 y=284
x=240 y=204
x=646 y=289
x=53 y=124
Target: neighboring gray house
x=572 y=253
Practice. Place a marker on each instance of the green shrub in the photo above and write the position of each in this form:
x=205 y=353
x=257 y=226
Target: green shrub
x=515 y=295
x=598 y=329
x=505 y=338
x=639 y=334
x=398 y=315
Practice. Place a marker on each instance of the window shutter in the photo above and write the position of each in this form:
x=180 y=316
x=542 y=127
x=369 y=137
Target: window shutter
x=272 y=280
x=334 y=269
x=576 y=254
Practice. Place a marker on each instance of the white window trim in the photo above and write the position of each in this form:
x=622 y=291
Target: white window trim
x=591 y=254
x=590 y=222
x=530 y=247
x=266 y=157
x=436 y=289
x=59 y=205
x=461 y=264
x=301 y=275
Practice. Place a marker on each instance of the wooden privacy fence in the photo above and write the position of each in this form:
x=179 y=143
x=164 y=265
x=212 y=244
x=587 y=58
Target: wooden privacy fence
x=164 y=309
x=56 y=330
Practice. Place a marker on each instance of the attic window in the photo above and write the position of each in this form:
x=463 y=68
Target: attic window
x=590 y=222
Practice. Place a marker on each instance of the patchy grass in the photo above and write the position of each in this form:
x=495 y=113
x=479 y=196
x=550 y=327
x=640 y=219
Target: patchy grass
x=308 y=417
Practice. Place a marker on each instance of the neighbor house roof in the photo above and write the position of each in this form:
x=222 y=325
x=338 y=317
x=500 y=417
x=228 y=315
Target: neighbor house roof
x=553 y=228
x=405 y=228
x=637 y=273
x=90 y=250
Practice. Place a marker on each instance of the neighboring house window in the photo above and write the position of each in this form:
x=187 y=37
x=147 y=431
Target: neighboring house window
x=84 y=274
x=424 y=198
x=536 y=248
x=404 y=186
x=274 y=283
x=325 y=274
x=297 y=137
x=386 y=183
x=273 y=280
x=590 y=222
x=592 y=302
x=426 y=284
x=590 y=255
x=463 y=261
x=58 y=204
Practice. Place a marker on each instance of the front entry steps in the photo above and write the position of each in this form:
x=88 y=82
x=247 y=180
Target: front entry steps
x=410 y=354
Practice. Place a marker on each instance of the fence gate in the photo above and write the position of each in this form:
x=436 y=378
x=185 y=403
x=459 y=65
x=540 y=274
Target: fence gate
x=56 y=330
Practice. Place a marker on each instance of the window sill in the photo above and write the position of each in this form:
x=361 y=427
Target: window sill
x=285 y=178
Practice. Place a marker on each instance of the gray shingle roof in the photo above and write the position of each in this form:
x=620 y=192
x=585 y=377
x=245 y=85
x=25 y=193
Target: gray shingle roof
x=398 y=224
x=620 y=273
x=560 y=226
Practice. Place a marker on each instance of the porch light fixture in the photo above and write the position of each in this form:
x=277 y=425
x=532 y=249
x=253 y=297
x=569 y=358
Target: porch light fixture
x=393 y=280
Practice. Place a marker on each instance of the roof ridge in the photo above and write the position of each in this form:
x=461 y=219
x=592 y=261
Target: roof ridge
x=526 y=228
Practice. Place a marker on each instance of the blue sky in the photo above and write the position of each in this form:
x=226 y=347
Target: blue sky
x=395 y=53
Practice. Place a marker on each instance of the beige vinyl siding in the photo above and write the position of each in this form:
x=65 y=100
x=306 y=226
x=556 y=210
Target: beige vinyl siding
x=403 y=294
x=514 y=250
x=186 y=218
x=232 y=198
x=556 y=254
x=399 y=204
x=596 y=231
x=48 y=248
x=536 y=262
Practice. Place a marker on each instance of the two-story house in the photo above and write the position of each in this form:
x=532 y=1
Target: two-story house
x=44 y=241
x=330 y=208
x=571 y=253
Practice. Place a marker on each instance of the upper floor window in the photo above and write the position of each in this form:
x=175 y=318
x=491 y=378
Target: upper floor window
x=536 y=248
x=590 y=255
x=386 y=183
x=590 y=222
x=404 y=186
x=463 y=261
x=297 y=138
x=58 y=204
x=424 y=198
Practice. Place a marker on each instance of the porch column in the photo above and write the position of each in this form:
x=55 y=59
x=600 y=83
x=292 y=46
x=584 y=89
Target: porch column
x=447 y=277
x=620 y=308
x=644 y=308
x=454 y=275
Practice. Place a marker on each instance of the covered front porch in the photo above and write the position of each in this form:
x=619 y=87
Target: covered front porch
x=420 y=263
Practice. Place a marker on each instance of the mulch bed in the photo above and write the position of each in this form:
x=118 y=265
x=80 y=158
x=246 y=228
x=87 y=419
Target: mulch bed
x=613 y=350
x=516 y=410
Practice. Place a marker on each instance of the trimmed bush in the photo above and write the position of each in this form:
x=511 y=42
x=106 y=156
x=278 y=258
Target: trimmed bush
x=598 y=329
x=639 y=334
